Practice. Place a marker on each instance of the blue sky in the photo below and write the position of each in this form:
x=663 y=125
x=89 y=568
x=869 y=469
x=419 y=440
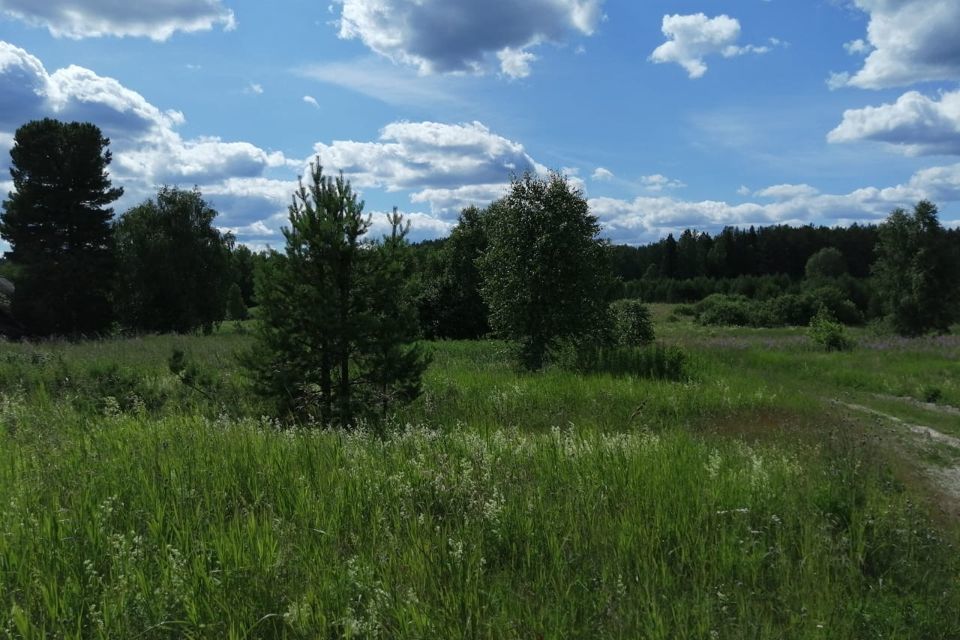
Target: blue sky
x=668 y=114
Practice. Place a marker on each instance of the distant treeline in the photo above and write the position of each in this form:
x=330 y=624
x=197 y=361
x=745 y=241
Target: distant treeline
x=734 y=252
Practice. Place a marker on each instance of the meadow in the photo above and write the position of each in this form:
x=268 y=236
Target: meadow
x=744 y=499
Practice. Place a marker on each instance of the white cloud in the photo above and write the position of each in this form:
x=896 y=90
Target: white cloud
x=658 y=182
x=175 y=161
x=644 y=219
x=96 y=18
x=423 y=226
x=910 y=41
x=444 y=163
x=447 y=202
x=691 y=38
x=914 y=124
x=601 y=174
x=147 y=149
x=787 y=192
x=311 y=101
x=515 y=63
x=443 y=36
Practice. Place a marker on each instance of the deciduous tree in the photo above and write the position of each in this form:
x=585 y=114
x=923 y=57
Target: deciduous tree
x=916 y=271
x=174 y=265
x=545 y=273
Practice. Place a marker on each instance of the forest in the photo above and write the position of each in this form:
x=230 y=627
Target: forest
x=517 y=431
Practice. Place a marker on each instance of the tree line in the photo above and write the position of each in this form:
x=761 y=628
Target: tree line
x=160 y=267
x=340 y=313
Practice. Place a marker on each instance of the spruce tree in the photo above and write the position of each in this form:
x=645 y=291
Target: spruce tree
x=58 y=225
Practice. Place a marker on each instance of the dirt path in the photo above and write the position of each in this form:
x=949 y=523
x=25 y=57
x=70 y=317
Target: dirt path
x=929 y=406
x=945 y=478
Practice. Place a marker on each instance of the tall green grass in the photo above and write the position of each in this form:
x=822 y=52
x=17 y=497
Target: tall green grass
x=186 y=527
x=554 y=505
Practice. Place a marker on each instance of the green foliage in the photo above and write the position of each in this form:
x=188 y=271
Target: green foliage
x=465 y=314
x=719 y=309
x=632 y=324
x=392 y=367
x=236 y=309
x=778 y=250
x=57 y=222
x=828 y=333
x=174 y=265
x=335 y=330
x=793 y=309
x=243 y=265
x=545 y=273
x=917 y=271
x=826 y=263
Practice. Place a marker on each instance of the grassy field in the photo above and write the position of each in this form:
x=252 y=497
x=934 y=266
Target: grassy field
x=740 y=502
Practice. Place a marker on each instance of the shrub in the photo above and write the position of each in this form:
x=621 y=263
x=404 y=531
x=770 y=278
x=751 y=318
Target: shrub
x=632 y=325
x=718 y=309
x=827 y=332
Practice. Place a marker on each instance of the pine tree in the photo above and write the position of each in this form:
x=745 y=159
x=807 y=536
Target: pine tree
x=335 y=331
x=58 y=225
x=391 y=365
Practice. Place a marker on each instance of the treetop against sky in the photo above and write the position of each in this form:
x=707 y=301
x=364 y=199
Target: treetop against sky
x=668 y=114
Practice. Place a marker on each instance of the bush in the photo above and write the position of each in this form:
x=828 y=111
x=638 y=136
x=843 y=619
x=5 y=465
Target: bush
x=827 y=332
x=792 y=309
x=719 y=309
x=632 y=325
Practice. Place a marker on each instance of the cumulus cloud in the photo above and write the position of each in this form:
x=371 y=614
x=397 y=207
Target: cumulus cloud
x=602 y=174
x=787 y=191
x=446 y=164
x=147 y=148
x=515 y=63
x=908 y=41
x=443 y=36
x=447 y=202
x=443 y=166
x=96 y=18
x=658 y=182
x=914 y=124
x=691 y=38
x=644 y=219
